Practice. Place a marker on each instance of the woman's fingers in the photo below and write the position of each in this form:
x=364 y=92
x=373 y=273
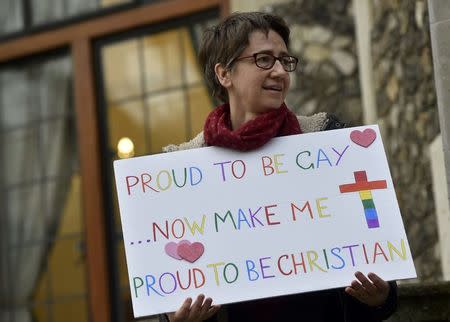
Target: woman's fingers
x=206 y=306
x=373 y=292
x=357 y=290
x=378 y=281
x=185 y=307
x=368 y=286
x=197 y=306
x=182 y=313
x=351 y=291
x=201 y=309
x=357 y=286
x=212 y=310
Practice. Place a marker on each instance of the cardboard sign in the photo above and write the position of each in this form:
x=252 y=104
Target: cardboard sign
x=303 y=213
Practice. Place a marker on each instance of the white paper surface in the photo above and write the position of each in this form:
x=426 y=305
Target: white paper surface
x=259 y=256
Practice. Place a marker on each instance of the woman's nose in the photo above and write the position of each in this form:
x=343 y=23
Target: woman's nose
x=278 y=69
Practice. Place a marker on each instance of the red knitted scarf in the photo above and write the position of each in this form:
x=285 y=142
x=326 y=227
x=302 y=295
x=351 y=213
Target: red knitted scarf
x=252 y=134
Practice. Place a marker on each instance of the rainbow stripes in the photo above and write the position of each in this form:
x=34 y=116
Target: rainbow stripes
x=369 y=209
x=364 y=188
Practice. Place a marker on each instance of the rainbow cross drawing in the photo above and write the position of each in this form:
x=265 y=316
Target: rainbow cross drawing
x=364 y=188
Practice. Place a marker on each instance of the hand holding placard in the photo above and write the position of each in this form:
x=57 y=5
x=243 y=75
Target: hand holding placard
x=200 y=310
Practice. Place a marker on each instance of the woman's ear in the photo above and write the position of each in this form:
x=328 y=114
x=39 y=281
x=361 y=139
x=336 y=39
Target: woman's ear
x=223 y=75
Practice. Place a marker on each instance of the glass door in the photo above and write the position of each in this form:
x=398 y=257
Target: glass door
x=152 y=94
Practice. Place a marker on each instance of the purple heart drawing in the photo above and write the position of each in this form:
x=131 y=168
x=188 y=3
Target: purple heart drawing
x=171 y=248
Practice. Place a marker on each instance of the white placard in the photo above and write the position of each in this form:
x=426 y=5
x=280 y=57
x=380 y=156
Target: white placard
x=303 y=213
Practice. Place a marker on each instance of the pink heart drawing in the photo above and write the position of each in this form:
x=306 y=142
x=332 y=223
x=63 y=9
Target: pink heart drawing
x=191 y=252
x=364 y=138
x=171 y=248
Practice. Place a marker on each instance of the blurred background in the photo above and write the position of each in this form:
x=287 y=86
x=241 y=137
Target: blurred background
x=86 y=82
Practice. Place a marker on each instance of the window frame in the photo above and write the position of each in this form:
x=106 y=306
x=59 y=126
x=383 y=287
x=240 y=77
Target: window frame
x=79 y=38
x=29 y=29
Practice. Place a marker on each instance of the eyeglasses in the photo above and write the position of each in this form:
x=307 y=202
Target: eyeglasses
x=266 y=61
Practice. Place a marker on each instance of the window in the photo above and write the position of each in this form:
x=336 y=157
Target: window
x=45 y=11
x=154 y=94
x=25 y=15
x=55 y=263
x=11 y=17
x=42 y=267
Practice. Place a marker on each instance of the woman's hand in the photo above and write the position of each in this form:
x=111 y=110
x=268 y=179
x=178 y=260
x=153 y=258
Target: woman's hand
x=199 y=311
x=373 y=292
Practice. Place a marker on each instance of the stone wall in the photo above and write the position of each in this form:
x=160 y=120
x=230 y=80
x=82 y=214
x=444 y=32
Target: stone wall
x=423 y=302
x=407 y=107
x=323 y=36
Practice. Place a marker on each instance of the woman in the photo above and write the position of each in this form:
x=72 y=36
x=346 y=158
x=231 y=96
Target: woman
x=247 y=64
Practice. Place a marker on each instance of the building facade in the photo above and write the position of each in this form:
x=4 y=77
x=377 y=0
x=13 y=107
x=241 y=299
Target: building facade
x=85 y=82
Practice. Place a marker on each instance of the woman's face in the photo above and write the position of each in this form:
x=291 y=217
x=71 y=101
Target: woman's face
x=253 y=90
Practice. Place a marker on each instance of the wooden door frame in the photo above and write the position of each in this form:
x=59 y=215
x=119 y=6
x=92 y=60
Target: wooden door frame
x=79 y=38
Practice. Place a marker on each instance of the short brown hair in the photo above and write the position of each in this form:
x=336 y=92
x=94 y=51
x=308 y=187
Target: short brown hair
x=226 y=41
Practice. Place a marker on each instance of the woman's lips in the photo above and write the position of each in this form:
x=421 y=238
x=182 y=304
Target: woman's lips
x=273 y=88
